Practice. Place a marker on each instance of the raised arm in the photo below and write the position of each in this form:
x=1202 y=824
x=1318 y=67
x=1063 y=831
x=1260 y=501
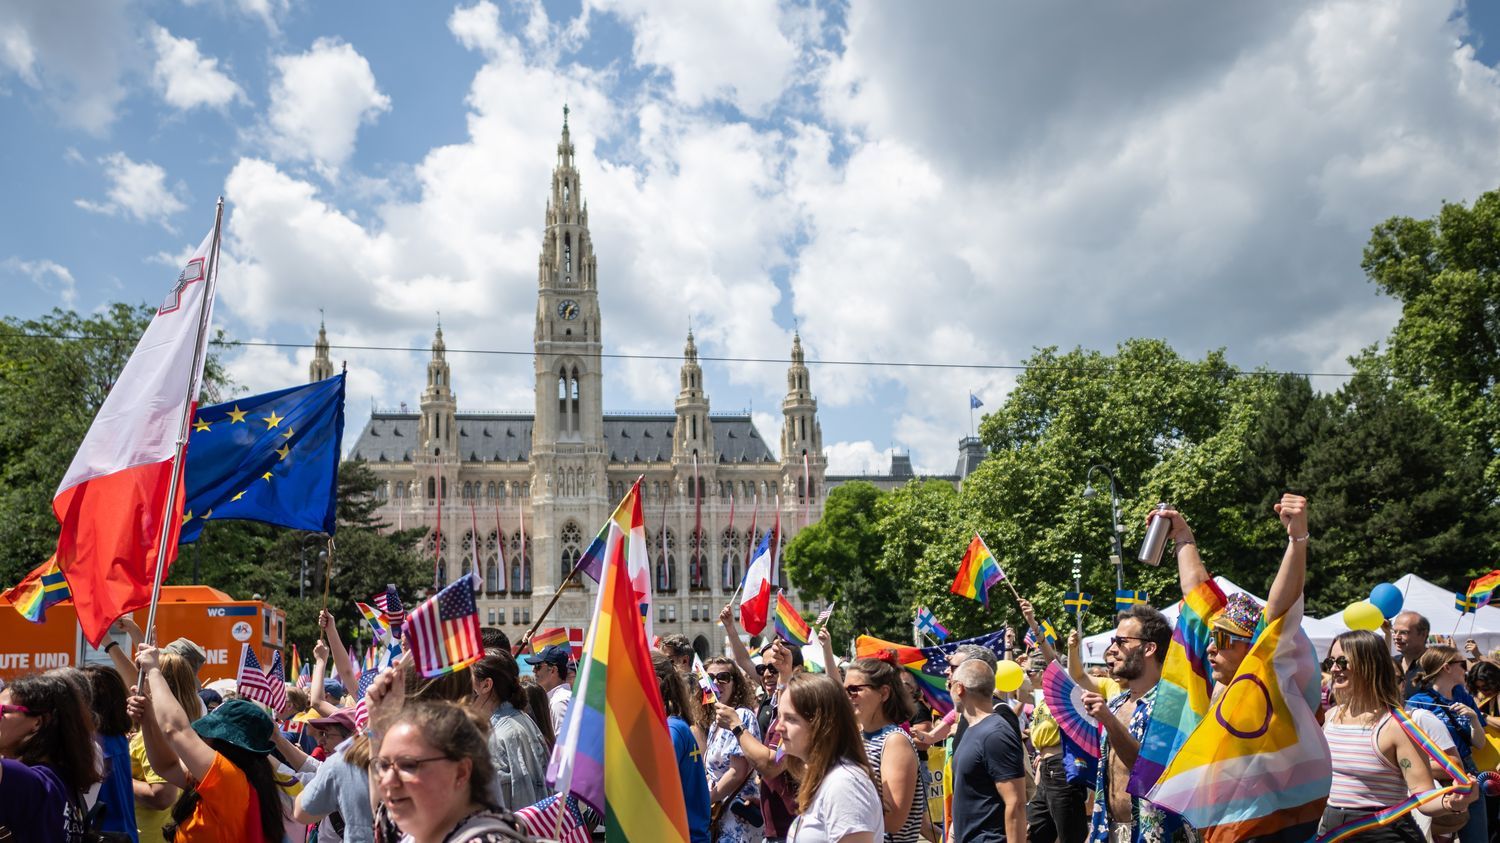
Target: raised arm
x=172 y=747
x=830 y=661
x=1287 y=588
x=736 y=646
x=120 y=656
x=319 y=674
x=1048 y=651
x=1075 y=664
x=342 y=665
x=1191 y=572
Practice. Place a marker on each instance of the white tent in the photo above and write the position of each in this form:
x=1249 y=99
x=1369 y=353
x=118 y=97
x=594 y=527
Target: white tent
x=1436 y=604
x=1320 y=631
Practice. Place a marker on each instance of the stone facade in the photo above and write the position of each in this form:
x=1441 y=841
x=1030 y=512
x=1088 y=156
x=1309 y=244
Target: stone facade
x=482 y=481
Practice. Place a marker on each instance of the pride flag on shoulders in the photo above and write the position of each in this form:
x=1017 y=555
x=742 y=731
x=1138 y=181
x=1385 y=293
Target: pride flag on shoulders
x=614 y=751
x=977 y=572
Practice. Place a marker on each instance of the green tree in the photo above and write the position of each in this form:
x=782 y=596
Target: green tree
x=918 y=523
x=1445 y=271
x=839 y=558
x=54 y=374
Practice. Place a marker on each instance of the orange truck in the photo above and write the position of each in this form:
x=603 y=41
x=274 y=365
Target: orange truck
x=215 y=621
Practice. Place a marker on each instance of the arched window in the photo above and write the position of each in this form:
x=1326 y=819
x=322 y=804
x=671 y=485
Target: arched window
x=444 y=484
x=666 y=562
x=698 y=561
x=442 y=574
x=563 y=422
x=520 y=564
x=575 y=414
x=730 y=560
x=492 y=580
x=572 y=549
x=567 y=249
x=431 y=489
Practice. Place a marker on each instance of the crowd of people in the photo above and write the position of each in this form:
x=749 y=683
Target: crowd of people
x=768 y=748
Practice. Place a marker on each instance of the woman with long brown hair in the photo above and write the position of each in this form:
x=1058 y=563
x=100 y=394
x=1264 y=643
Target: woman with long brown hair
x=881 y=705
x=154 y=795
x=838 y=799
x=46 y=758
x=1375 y=763
x=516 y=748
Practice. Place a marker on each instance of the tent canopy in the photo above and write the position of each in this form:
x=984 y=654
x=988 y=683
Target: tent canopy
x=1321 y=632
x=1435 y=603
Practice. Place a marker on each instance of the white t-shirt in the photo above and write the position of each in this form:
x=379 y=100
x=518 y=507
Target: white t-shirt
x=847 y=803
x=1433 y=727
x=557 y=702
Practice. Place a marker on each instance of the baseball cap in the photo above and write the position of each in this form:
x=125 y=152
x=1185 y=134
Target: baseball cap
x=557 y=655
x=343 y=717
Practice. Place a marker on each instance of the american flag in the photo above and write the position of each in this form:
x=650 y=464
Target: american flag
x=252 y=683
x=444 y=630
x=541 y=820
x=390 y=608
x=361 y=713
x=824 y=615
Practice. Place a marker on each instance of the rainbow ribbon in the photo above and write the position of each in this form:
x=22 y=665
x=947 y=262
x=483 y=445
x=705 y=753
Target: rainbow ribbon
x=1461 y=784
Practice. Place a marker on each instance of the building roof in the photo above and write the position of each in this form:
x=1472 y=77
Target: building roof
x=506 y=437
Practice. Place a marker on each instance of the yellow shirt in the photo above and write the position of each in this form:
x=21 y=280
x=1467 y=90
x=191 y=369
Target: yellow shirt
x=1044 y=731
x=148 y=821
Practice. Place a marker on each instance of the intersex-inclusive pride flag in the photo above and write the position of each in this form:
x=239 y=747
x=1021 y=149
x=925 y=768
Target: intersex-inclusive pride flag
x=1186 y=686
x=111 y=505
x=977 y=572
x=631 y=520
x=1482 y=588
x=45 y=586
x=1257 y=767
x=789 y=625
x=614 y=751
x=928 y=665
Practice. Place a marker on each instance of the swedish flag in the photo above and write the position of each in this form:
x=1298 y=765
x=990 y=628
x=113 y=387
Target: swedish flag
x=1463 y=604
x=1125 y=598
x=272 y=457
x=1075 y=602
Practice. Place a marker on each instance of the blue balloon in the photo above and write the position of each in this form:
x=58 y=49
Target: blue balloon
x=1388 y=599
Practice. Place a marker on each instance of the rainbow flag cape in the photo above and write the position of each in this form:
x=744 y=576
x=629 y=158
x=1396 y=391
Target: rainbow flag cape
x=789 y=625
x=977 y=572
x=614 y=751
x=928 y=665
x=1257 y=768
x=547 y=637
x=1186 y=686
x=1483 y=587
x=44 y=586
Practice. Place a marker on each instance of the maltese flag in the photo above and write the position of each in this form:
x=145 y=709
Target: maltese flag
x=110 y=507
x=755 y=591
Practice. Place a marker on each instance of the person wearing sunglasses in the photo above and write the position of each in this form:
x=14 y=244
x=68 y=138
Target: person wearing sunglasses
x=733 y=791
x=1375 y=763
x=1440 y=691
x=881 y=705
x=46 y=759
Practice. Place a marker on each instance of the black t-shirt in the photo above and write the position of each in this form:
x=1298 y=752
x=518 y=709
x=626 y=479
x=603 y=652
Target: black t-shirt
x=990 y=754
x=1001 y=709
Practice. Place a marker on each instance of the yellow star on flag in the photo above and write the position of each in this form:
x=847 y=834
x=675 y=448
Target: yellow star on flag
x=272 y=420
x=288 y=434
x=187 y=516
x=237 y=497
x=207 y=515
x=266 y=476
x=283 y=451
x=236 y=415
x=200 y=424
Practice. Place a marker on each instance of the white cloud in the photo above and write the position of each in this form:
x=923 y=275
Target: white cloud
x=47 y=275
x=73 y=54
x=138 y=190
x=857 y=458
x=186 y=78
x=319 y=100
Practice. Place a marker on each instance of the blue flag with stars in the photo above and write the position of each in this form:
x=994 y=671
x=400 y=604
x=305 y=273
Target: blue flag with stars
x=272 y=457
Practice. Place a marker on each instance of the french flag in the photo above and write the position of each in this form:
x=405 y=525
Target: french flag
x=760 y=581
x=111 y=504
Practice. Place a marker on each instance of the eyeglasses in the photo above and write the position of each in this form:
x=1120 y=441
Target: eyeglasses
x=19 y=709
x=1339 y=661
x=405 y=768
x=1223 y=638
x=855 y=689
x=724 y=677
x=1115 y=641
x=766 y=668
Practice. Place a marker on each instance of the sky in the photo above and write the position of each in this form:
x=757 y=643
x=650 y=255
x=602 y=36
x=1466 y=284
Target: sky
x=899 y=182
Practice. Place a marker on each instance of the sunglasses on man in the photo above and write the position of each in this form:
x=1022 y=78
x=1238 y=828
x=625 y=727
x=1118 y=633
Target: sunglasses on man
x=763 y=669
x=1224 y=639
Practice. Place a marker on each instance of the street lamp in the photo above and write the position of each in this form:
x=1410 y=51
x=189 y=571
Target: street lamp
x=1118 y=557
x=302 y=580
x=1078 y=591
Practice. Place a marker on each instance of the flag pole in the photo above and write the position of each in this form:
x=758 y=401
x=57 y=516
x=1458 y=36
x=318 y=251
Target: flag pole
x=568 y=580
x=327 y=573
x=169 y=530
x=1003 y=576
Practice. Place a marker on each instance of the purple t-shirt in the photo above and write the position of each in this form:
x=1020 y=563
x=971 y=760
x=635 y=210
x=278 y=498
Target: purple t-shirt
x=33 y=802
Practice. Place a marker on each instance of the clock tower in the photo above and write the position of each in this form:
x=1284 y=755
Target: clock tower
x=569 y=457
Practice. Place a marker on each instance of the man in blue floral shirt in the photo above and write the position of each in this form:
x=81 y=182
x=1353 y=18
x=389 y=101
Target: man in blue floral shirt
x=1135 y=656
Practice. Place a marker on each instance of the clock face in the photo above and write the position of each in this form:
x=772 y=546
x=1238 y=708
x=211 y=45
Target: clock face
x=567 y=309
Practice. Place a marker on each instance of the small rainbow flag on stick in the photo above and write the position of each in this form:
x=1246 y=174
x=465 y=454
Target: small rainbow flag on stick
x=547 y=637
x=378 y=624
x=1483 y=587
x=43 y=587
x=977 y=572
x=789 y=625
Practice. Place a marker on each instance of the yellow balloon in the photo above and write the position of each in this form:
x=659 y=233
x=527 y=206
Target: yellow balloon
x=1363 y=615
x=1008 y=676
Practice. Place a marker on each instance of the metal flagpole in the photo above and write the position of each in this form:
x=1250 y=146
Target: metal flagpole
x=170 y=530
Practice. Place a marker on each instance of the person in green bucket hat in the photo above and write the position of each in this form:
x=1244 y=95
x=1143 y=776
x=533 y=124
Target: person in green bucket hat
x=221 y=762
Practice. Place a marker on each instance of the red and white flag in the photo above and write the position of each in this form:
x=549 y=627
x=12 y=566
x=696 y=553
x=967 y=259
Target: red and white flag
x=111 y=505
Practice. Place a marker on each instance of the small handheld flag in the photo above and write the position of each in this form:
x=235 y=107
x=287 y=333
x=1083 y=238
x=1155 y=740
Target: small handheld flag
x=252 y=683
x=378 y=626
x=977 y=572
x=1463 y=604
x=823 y=616
x=1077 y=602
x=1481 y=589
x=789 y=625
x=444 y=631
x=547 y=637
x=1048 y=631
x=391 y=610
x=1125 y=598
x=928 y=623
x=41 y=588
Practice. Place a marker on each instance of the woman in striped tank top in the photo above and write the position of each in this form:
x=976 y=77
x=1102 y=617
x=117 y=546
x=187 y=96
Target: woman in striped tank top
x=1375 y=764
x=880 y=705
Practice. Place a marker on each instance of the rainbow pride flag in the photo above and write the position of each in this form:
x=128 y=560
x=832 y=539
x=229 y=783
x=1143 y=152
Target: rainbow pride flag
x=1482 y=588
x=376 y=620
x=1257 y=768
x=547 y=637
x=927 y=665
x=789 y=625
x=44 y=586
x=614 y=751
x=628 y=518
x=977 y=572
x=1185 y=689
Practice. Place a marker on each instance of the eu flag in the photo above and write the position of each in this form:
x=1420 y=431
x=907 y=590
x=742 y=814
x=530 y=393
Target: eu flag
x=272 y=457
